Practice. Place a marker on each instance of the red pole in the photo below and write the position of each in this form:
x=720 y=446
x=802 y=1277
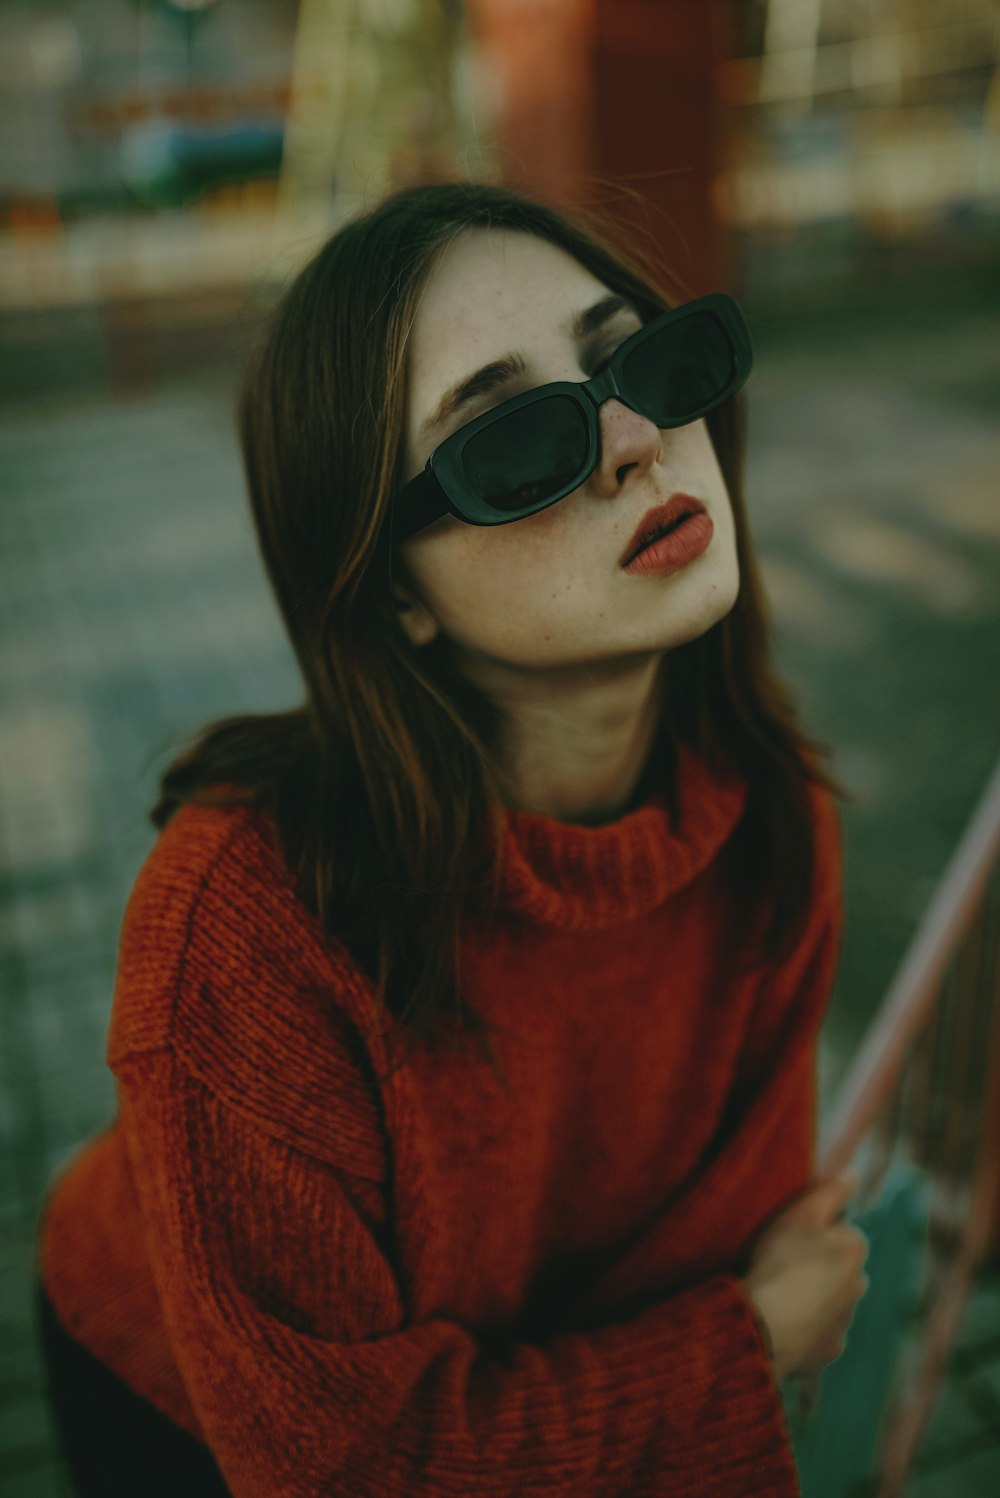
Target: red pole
x=537 y=59
x=612 y=103
x=657 y=130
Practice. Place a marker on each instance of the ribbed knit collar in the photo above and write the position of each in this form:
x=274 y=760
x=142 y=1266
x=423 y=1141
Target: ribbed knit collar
x=581 y=878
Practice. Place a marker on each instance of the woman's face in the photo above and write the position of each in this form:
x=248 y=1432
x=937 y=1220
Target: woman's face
x=533 y=604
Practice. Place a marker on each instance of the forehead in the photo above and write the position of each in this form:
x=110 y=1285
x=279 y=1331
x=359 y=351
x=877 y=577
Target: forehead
x=488 y=291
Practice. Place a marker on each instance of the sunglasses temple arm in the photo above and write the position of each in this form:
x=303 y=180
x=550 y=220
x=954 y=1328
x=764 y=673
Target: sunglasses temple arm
x=418 y=504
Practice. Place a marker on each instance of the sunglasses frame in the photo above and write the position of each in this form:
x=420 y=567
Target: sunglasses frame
x=441 y=488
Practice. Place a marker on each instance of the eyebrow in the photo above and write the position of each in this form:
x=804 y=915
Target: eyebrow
x=508 y=367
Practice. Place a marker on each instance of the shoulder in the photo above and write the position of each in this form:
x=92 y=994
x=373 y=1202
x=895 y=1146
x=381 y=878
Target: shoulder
x=220 y=963
x=196 y=851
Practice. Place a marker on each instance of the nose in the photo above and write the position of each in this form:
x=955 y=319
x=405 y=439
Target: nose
x=628 y=441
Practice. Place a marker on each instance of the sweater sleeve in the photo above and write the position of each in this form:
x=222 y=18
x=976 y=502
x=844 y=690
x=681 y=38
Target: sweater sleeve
x=289 y=1326
x=765 y=1152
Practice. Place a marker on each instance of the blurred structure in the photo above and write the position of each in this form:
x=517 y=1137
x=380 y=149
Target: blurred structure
x=146 y=143
x=381 y=96
x=862 y=127
x=140 y=146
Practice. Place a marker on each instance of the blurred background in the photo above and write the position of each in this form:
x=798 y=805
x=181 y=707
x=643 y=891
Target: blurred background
x=167 y=165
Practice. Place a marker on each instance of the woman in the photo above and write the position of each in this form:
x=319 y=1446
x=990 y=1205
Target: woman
x=465 y=1018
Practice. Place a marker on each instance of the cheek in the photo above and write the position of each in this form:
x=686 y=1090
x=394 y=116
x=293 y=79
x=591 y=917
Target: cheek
x=485 y=592
x=479 y=579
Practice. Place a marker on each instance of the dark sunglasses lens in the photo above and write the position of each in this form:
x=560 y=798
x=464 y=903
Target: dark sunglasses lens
x=529 y=455
x=680 y=370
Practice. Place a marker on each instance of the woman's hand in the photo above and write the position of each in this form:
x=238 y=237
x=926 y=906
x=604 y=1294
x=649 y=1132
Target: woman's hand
x=805 y=1278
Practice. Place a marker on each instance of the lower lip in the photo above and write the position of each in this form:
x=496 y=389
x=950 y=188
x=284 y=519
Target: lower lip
x=673 y=552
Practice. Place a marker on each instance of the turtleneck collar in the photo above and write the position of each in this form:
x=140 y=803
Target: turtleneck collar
x=579 y=878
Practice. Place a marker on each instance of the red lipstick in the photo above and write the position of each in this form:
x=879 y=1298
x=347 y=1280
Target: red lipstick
x=661 y=519
x=674 y=551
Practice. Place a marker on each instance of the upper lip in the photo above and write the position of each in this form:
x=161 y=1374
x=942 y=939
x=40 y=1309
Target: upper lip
x=676 y=506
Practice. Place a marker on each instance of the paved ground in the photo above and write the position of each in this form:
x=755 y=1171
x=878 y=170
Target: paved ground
x=133 y=608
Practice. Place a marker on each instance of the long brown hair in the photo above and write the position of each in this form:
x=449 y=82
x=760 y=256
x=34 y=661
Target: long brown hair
x=385 y=785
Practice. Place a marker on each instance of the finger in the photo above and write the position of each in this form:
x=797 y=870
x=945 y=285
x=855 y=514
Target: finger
x=823 y=1202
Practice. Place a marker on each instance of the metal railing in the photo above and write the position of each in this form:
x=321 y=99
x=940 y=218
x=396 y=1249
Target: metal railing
x=924 y=1091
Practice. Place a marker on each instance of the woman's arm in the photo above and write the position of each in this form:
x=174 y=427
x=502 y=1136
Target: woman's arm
x=677 y=1400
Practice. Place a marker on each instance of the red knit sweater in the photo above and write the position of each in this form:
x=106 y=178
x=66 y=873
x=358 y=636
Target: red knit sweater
x=432 y=1286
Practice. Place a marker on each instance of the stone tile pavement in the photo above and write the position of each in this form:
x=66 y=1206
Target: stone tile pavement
x=133 y=608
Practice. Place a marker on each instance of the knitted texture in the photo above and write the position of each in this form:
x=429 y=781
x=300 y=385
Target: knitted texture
x=437 y=1284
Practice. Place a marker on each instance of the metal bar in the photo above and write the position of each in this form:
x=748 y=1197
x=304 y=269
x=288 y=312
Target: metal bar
x=909 y=1002
x=983 y=1230
x=909 y=1420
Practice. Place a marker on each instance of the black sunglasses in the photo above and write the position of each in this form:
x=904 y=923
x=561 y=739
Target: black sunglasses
x=533 y=450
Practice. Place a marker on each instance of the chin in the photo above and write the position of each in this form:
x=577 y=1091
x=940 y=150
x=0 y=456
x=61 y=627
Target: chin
x=717 y=601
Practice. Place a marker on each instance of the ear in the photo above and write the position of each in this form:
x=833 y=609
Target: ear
x=420 y=625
